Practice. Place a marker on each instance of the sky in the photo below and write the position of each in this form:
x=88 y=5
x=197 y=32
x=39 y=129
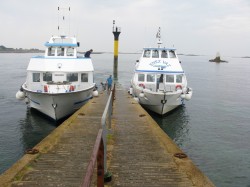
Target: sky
x=192 y=27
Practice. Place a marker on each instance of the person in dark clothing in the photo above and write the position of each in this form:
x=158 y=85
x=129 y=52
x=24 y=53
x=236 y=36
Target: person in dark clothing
x=87 y=53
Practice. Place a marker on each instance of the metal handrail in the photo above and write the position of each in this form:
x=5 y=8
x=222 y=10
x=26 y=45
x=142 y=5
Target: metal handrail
x=106 y=117
x=100 y=147
x=97 y=154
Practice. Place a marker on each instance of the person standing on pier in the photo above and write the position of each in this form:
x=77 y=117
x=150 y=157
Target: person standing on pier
x=87 y=53
x=109 y=82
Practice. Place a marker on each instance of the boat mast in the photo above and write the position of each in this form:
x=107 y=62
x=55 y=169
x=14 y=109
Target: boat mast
x=158 y=38
x=62 y=21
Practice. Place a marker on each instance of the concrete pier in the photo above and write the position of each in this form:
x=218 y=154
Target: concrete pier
x=64 y=154
x=140 y=154
x=143 y=155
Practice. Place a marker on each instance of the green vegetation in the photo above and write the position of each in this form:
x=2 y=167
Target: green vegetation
x=4 y=49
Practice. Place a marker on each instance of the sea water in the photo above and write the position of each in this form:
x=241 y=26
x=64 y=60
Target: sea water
x=212 y=128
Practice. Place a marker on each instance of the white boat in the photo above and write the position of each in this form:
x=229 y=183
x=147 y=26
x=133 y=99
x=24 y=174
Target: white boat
x=159 y=82
x=59 y=82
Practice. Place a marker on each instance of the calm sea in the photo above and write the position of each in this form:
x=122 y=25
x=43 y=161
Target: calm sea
x=213 y=128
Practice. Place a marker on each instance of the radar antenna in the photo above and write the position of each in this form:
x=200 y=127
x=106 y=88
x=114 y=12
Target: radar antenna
x=158 y=37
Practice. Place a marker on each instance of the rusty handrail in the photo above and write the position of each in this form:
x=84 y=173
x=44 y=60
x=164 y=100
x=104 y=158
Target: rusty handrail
x=97 y=154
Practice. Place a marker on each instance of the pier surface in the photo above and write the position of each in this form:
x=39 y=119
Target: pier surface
x=140 y=153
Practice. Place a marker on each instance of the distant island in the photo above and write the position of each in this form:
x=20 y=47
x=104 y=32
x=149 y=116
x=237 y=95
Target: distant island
x=4 y=49
x=217 y=58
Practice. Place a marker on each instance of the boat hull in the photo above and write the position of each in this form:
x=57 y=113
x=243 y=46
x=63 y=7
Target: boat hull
x=58 y=106
x=158 y=102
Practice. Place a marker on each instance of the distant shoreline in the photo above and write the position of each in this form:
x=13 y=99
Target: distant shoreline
x=4 y=49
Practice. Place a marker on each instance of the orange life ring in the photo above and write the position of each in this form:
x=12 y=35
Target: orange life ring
x=71 y=88
x=178 y=86
x=142 y=85
x=45 y=88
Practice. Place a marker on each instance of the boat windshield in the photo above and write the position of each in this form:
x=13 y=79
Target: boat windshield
x=147 y=53
x=70 y=51
x=164 y=54
x=155 y=54
x=172 y=54
x=51 y=51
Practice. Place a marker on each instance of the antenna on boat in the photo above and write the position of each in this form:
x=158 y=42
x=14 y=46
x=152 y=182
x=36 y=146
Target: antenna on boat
x=158 y=37
x=61 y=27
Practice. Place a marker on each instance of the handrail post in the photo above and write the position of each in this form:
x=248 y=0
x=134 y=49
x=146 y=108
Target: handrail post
x=100 y=165
x=97 y=155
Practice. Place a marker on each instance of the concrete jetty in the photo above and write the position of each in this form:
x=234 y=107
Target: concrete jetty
x=64 y=154
x=140 y=154
x=143 y=155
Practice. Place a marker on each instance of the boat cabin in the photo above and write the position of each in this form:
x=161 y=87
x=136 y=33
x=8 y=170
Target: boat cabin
x=60 y=70
x=61 y=46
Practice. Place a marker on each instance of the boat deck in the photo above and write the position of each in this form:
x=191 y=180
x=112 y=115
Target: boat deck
x=139 y=152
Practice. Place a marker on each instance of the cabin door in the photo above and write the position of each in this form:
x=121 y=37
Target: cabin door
x=160 y=82
x=59 y=77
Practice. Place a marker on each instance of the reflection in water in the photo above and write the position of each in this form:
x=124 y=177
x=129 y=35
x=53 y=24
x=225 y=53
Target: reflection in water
x=34 y=128
x=175 y=124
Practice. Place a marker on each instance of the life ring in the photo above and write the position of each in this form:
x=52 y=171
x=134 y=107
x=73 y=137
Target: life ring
x=178 y=86
x=142 y=85
x=71 y=88
x=45 y=88
x=180 y=155
x=32 y=151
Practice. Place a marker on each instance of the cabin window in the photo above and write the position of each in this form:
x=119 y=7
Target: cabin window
x=51 y=51
x=141 y=77
x=178 y=78
x=36 y=77
x=172 y=54
x=72 y=77
x=164 y=54
x=84 y=77
x=60 y=51
x=70 y=51
x=147 y=53
x=155 y=54
x=169 y=78
x=47 y=77
x=150 y=78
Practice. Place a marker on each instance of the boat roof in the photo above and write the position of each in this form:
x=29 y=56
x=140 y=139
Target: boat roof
x=157 y=48
x=47 y=44
x=62 y=41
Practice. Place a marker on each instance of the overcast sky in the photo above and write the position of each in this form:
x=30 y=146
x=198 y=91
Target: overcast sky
x=202 y=27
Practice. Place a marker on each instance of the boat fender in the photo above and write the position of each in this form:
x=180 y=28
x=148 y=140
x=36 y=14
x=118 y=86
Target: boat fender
x=188 y=96
x=20 y=95
x=183 y=96
x=95 y=93
x=131 y=90
x=142 y=85
x=141 y=94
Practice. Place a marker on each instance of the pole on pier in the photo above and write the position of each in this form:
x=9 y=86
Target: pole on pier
x=116 y=32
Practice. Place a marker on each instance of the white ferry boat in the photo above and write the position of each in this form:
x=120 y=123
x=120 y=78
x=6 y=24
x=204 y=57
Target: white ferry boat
x=159 y=82
x=59 y=82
